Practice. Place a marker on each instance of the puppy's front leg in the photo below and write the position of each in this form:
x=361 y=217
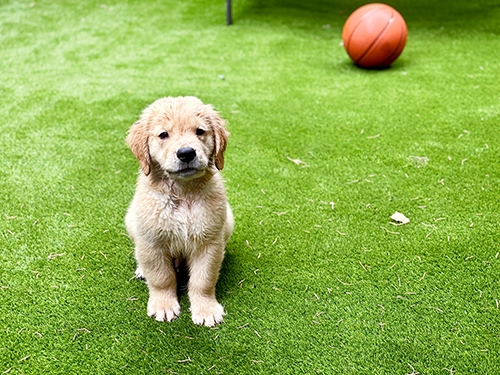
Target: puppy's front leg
x=204 y=270
x=161 y=279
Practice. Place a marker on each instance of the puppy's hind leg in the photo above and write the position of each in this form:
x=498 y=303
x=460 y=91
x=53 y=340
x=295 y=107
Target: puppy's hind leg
x=229 y=225
x=139 y=273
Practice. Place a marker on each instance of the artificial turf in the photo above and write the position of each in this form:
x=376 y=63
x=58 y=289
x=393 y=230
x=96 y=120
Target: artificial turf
x=315 y=279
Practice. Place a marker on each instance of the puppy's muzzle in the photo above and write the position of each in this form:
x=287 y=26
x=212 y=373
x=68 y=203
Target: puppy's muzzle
x=186 y=154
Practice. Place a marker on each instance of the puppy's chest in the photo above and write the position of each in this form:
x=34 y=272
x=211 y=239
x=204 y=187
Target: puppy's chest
x=186 y=220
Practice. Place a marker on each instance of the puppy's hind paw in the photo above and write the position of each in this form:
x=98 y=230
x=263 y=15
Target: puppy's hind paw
x=139 y=274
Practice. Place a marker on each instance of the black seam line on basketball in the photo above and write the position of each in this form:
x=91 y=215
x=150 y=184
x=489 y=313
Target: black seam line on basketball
x=397 y=47
x=378 y=37
x=359 y=23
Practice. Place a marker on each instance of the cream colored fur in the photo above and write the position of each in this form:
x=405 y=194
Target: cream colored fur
x=180 y=209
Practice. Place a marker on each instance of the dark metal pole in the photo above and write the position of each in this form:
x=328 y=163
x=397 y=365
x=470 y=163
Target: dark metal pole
x=229 y=16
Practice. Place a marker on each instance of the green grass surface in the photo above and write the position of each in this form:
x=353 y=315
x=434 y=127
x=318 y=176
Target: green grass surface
x=307 y=289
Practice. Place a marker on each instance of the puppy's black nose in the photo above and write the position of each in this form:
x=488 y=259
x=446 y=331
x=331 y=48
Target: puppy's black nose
x=186 y=154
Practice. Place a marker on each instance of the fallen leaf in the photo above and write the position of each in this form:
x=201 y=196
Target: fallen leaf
x=400 y=218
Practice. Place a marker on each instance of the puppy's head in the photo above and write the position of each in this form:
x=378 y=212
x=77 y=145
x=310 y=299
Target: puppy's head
x=181 y=137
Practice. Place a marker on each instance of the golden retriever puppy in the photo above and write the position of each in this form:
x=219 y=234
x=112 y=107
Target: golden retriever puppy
x=180 y=210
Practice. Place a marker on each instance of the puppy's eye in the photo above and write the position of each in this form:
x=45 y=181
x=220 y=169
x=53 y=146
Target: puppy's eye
x=200 y=131
x=163 y=135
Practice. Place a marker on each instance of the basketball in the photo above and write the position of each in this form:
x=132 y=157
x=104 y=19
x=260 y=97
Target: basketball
x=374 y=36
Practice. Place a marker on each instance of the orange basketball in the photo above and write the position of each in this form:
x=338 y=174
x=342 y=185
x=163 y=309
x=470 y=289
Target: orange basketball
x=374 y=36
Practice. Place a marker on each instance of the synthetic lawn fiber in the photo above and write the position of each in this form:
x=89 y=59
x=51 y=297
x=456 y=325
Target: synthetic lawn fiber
x=316 y=278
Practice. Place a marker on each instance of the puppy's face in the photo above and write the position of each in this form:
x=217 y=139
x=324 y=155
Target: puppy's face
x=181 y=136
x=181 y=145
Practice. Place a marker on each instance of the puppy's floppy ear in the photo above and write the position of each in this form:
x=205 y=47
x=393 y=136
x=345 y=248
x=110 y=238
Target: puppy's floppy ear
x=137 y=140
x=221 y=135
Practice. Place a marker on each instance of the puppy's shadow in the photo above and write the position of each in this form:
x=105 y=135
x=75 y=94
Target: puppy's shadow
x=182 y=273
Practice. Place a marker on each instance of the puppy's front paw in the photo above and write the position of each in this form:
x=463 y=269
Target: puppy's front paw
x=208 y=313
x=163 y=308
